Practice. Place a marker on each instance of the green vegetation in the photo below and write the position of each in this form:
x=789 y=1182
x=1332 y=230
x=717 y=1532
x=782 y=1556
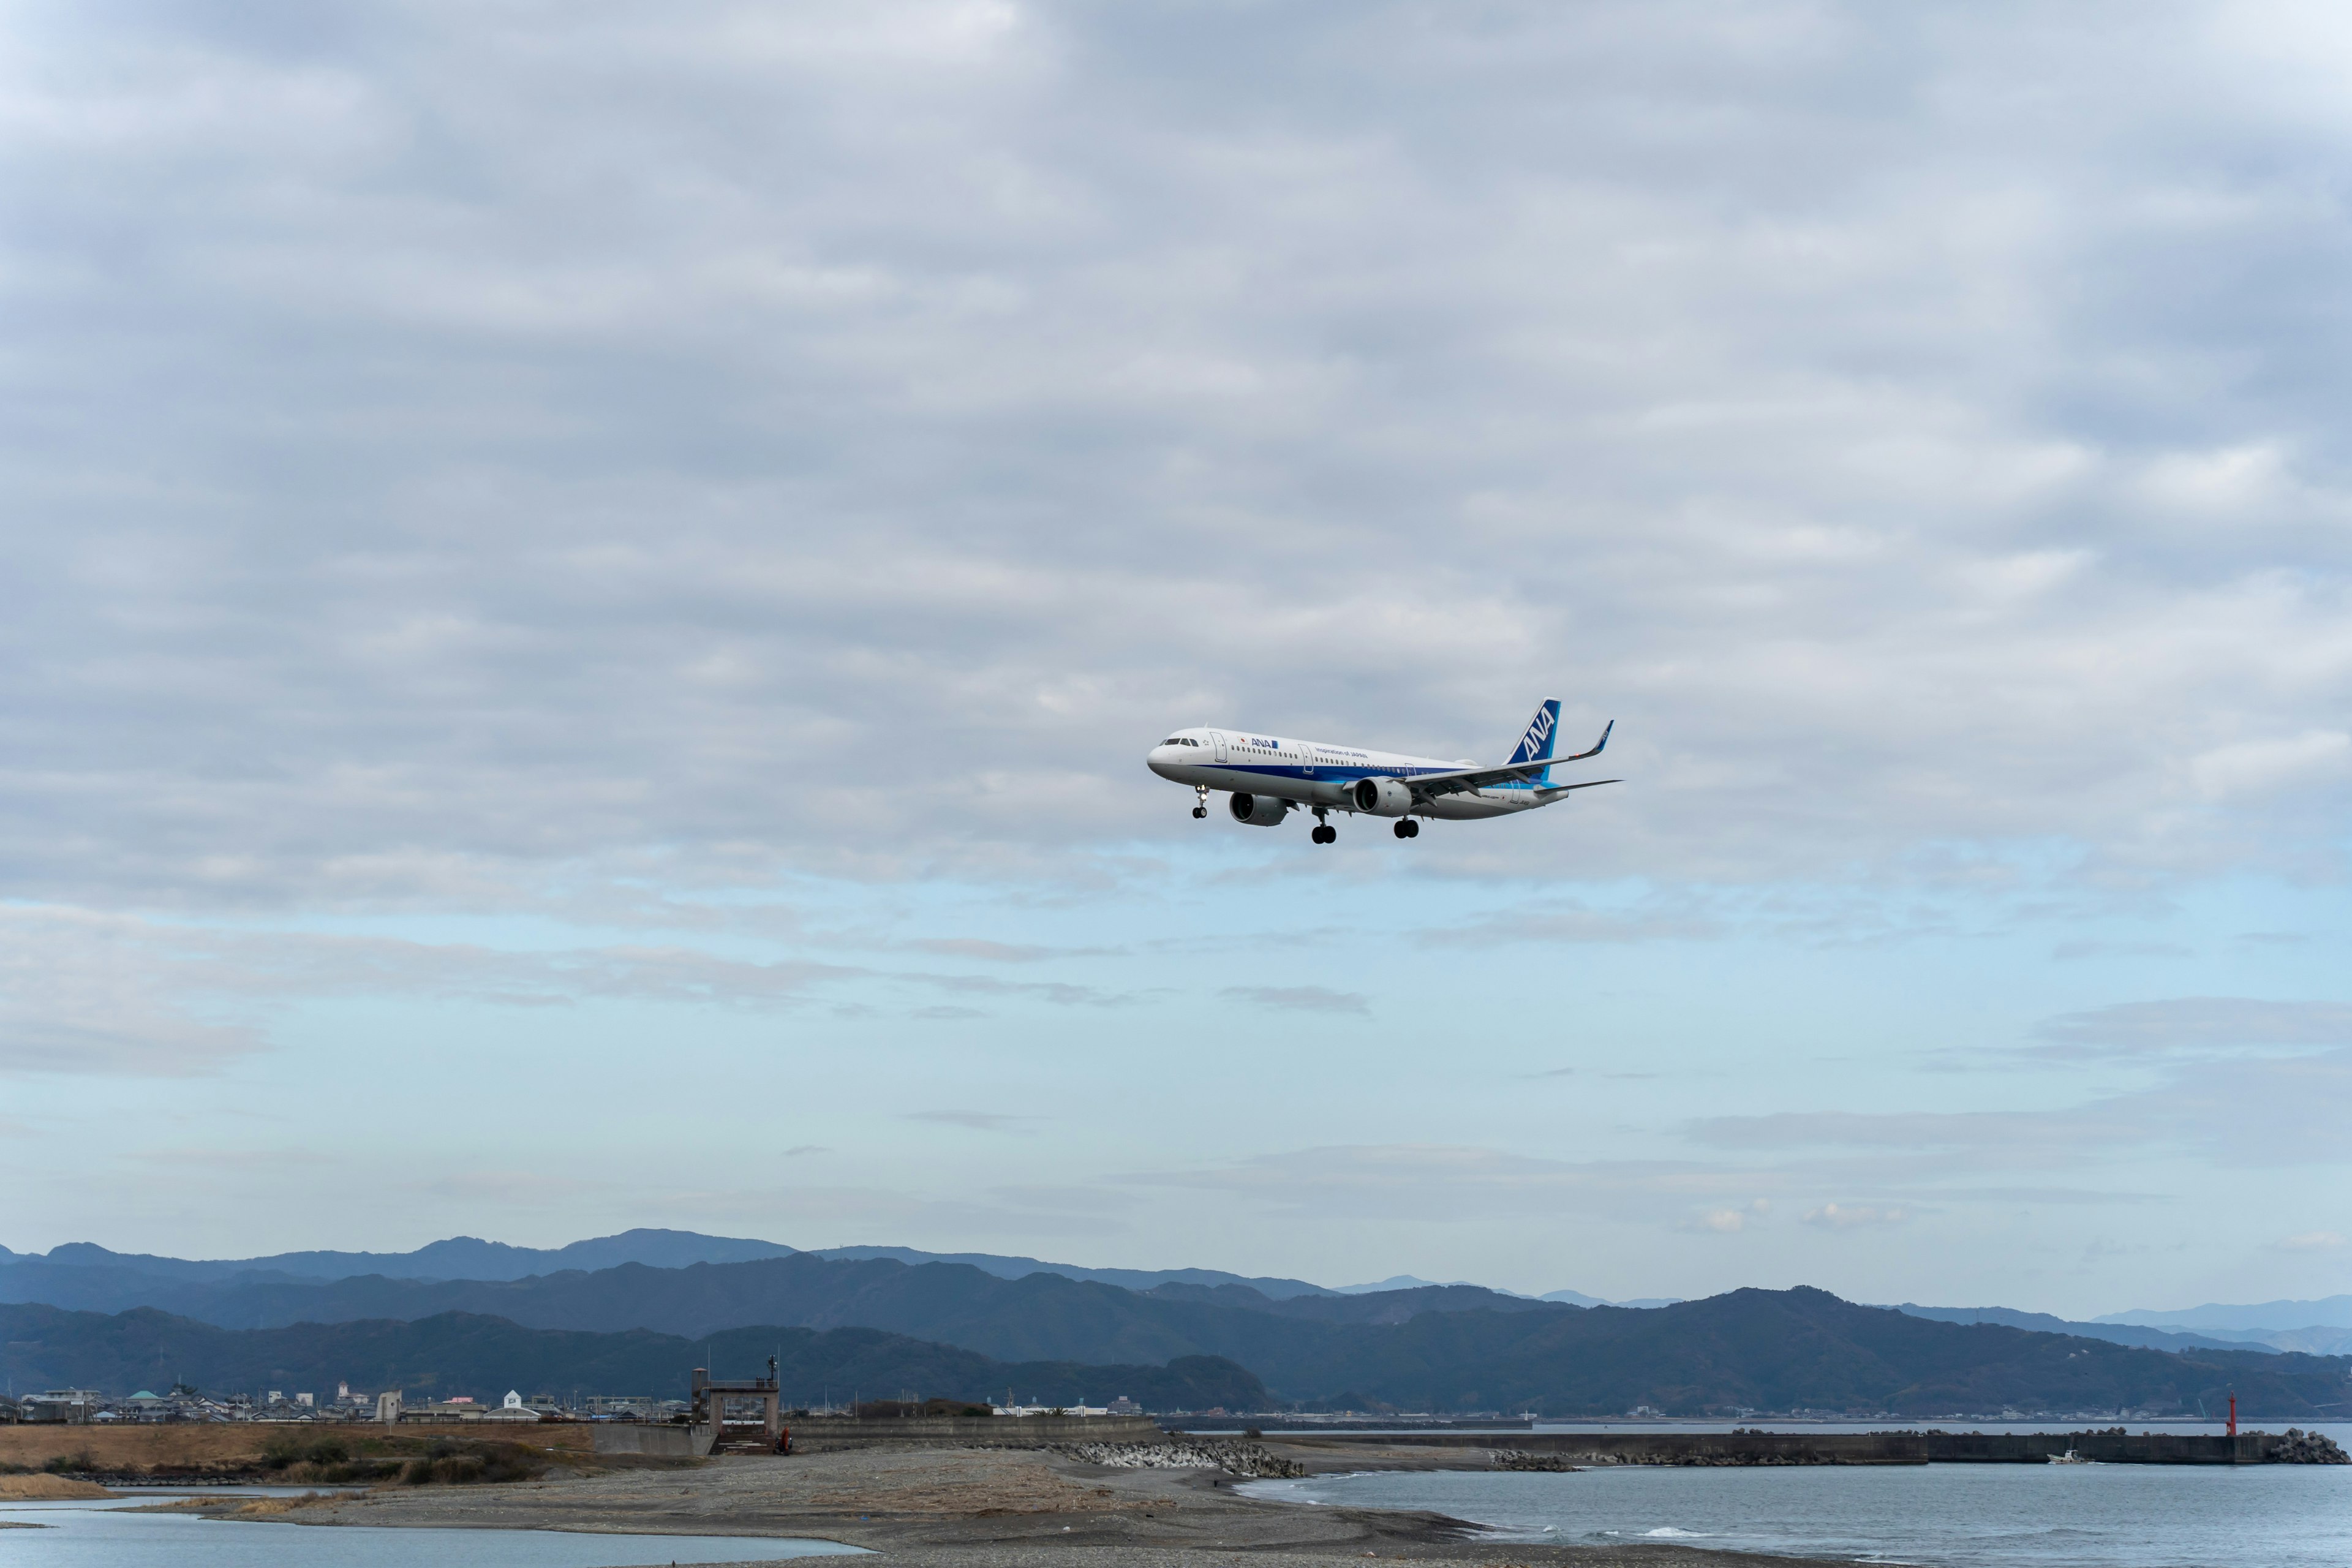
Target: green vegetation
x=294 y=1448
x=297 y=1458
x=450 y=1462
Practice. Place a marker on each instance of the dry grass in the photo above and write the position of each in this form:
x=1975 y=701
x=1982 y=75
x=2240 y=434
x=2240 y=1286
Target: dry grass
x=48 y=1488
x=274 y=1507
x=237 y=1448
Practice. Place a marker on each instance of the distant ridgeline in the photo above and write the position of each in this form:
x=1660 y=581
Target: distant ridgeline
x=1183 y=1344
x=460 y=1353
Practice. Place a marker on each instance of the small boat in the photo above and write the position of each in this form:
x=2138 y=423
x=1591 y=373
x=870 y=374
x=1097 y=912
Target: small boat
x=2070 y=1458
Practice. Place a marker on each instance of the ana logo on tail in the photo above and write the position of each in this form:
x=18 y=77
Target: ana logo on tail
x=1536 y=744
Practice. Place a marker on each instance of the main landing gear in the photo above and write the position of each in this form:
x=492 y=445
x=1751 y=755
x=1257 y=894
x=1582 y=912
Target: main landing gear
x=1324 y=832
x=1200 y=810
x=1407 y=827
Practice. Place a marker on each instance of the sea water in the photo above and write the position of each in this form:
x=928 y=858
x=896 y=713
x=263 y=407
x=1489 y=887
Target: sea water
x=108 y=1535
x=1948 y=1516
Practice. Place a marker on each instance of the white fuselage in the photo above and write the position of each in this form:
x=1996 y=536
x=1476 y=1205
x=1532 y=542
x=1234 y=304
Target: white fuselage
x=1318 y=772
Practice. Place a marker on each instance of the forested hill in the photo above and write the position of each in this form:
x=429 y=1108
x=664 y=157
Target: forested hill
x=1037 y=1317
x=1750 y=1349
x=458 y=1352
x=1792 y=1350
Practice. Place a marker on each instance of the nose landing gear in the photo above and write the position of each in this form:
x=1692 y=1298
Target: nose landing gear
x=1200 y=810
x=1407 y=827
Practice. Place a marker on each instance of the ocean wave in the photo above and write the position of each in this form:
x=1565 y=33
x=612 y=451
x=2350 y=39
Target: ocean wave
x=1667 y=1532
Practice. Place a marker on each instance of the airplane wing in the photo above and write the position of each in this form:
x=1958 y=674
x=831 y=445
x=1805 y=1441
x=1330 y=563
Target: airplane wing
x=1429 y=785
x=1462 y=779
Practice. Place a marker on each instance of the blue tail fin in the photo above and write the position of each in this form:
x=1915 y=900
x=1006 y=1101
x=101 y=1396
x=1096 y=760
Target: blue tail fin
x=1536 y=744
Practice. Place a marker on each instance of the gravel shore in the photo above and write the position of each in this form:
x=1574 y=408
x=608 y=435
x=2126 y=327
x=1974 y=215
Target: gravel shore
x=974 y=1508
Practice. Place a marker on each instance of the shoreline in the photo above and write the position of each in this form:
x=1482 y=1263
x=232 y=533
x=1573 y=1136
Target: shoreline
x=976 y=1508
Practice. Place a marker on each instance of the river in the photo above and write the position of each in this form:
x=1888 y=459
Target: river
x=111 y=1535
x=1949 y=1516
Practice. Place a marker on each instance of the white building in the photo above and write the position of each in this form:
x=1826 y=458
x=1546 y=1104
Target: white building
x=512 y=1408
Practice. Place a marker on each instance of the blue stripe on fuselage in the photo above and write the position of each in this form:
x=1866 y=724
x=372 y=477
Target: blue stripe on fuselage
x=1328 y=774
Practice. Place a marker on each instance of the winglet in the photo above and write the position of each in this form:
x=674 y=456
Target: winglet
x=1596 y=745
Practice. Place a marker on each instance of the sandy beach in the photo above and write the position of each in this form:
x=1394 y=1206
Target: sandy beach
x=967 y=1508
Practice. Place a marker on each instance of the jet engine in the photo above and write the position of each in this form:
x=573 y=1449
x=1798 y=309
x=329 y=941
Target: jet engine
x=1259 y=810
x=1382 y=797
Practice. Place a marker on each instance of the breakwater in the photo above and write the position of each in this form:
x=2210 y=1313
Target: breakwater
x=2112 y=1446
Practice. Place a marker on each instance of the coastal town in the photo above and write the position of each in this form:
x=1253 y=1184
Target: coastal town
x=183 y=1403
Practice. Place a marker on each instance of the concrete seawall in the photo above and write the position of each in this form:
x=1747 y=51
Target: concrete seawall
x=2109 y=1448
x=678 y=1442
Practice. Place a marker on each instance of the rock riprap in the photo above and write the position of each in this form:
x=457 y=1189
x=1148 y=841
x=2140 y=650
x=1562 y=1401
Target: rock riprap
x=1245 y=1459
x=2297 y=1447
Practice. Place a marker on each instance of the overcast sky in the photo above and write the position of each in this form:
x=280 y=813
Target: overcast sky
x=584 y=587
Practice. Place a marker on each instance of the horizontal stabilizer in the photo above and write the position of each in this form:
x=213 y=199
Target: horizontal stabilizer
x=1528 y=771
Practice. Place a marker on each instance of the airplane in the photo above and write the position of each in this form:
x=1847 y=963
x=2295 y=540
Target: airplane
x=1270 y=777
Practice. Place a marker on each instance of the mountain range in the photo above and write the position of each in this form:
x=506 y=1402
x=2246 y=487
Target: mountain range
x=2332 y=1312
x=469 y=1257
x=1742 y=1352
x=2322 y=1328
x=1573 y=1297
x=1413 y=1345
x=458 y=1258
x=2114 y=1333
x=239 y=1292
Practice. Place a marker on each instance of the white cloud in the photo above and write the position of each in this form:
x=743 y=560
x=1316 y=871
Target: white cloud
x=2230 y=481
x=573 y=476
x=1444 y=1181
x=1300 y=998
x=1854 y=1217
x=977 y=1120
x=82 y=991
x=92 y=994
x=516 y=1189
x=550 y=497
x=2265 y=1112
x=2200 y=1023
x=987 y=951
x=2312 y=1241
x=2247 y=767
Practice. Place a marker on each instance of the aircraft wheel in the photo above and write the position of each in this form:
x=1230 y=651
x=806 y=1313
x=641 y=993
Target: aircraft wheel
x=1327 y=833
x=1404 y=830
x=1199 y=811
x=1412 y=828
